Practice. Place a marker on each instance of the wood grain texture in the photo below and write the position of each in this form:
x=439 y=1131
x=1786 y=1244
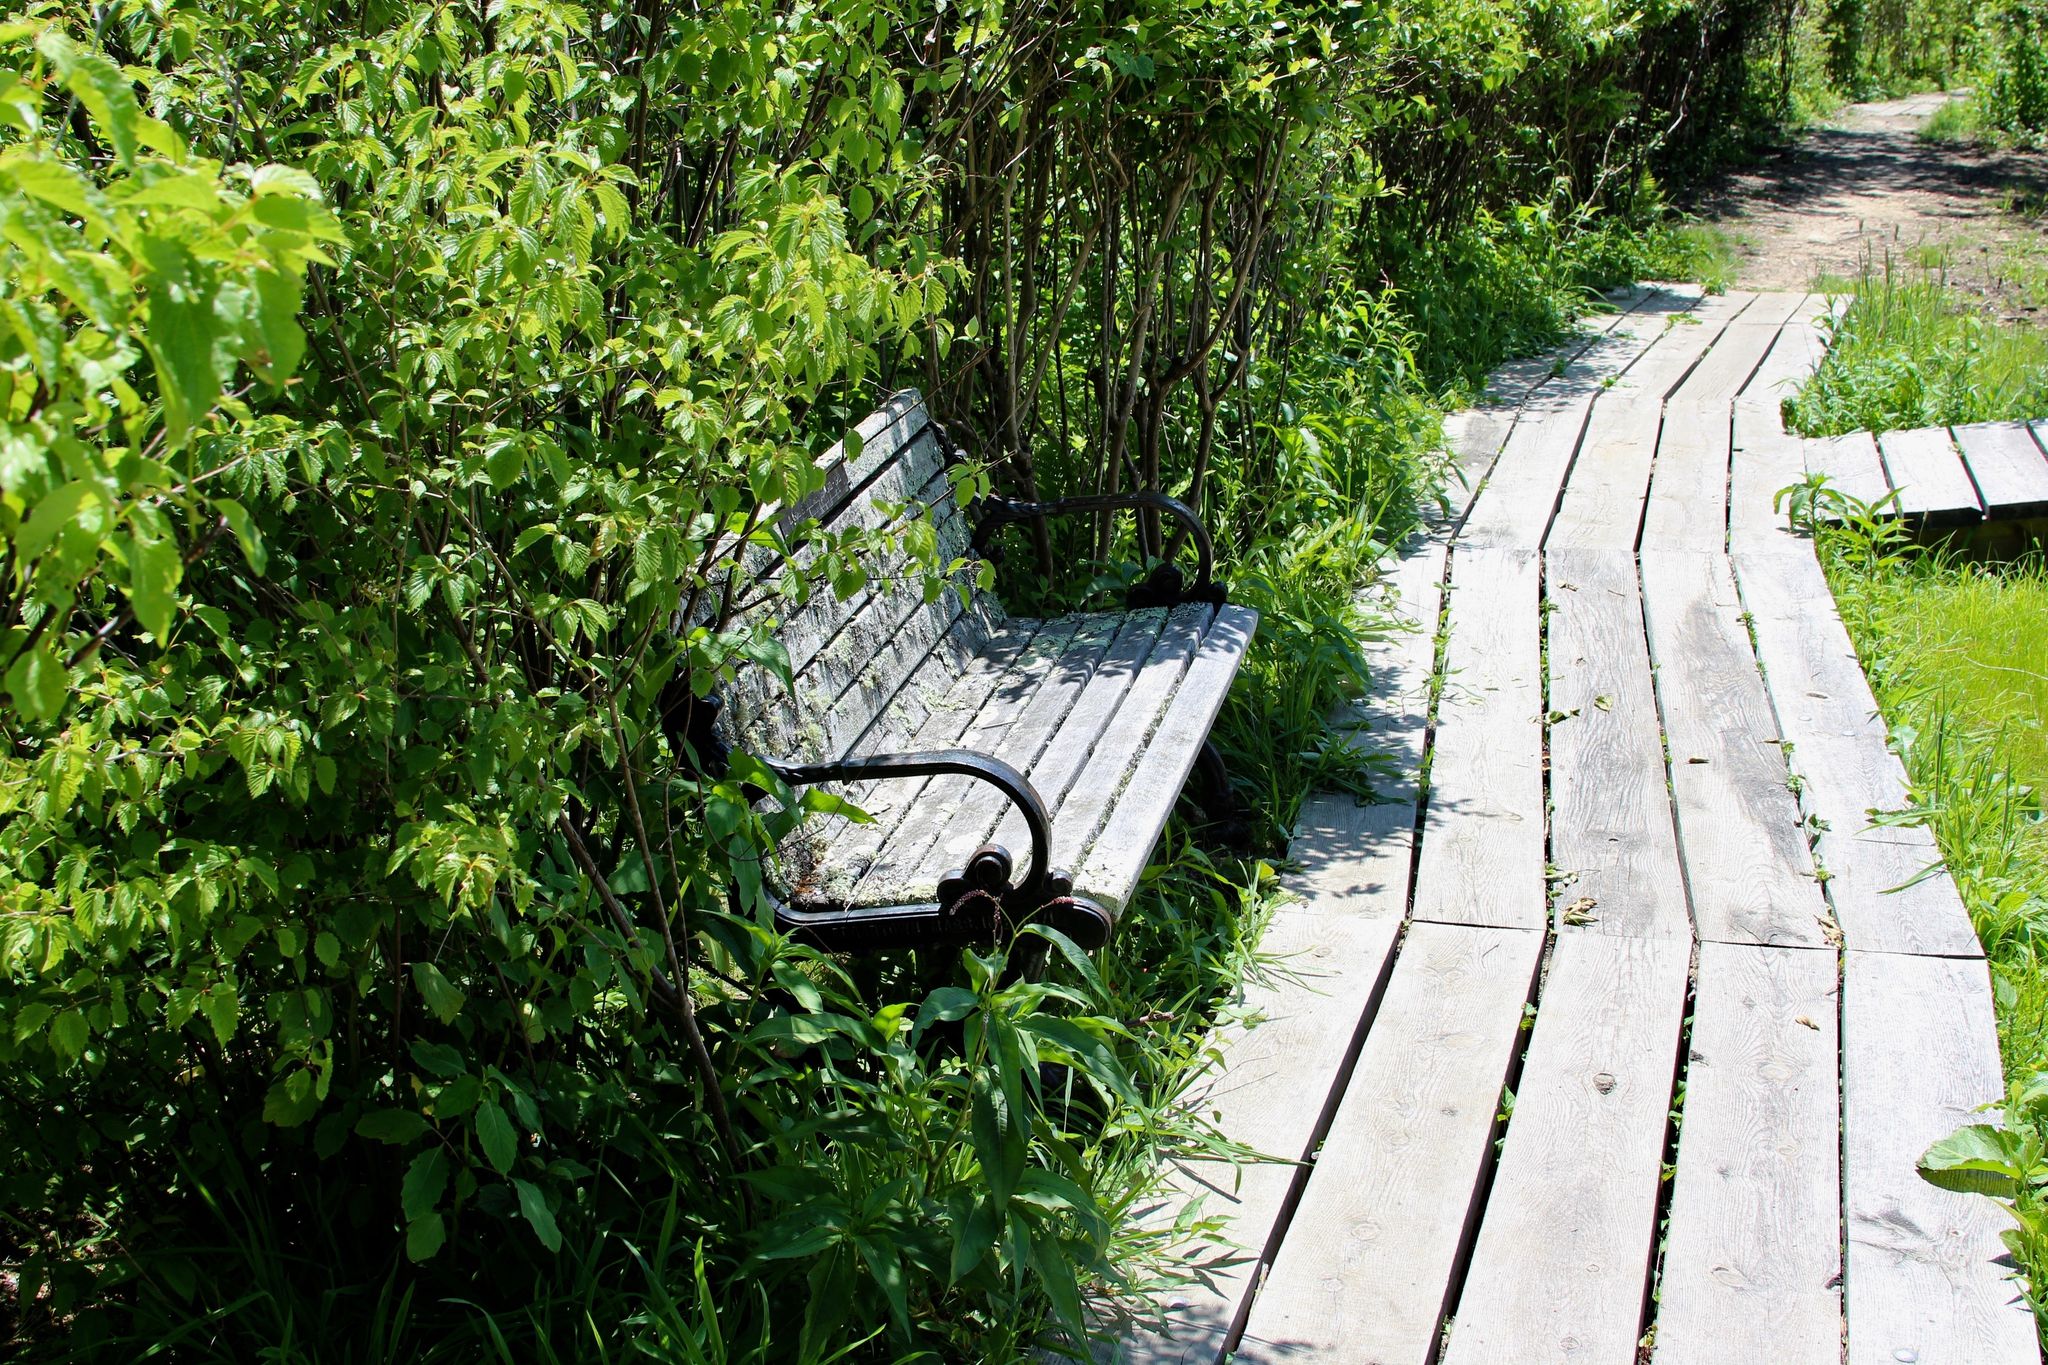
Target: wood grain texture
x=1725 y=370
x=1363 y=1272
x=1603 y=498
x=1561 y=1270
x=1752 y=1261
x=1611 y=828
x=1688 y=503
x=1278 y=1073
x=1933 y=486
x=1851 y=464
x=1765 y=460
x=1108 y=873
x=1919 y=1056
x=1748 y=870
x=1482 y=849
x=2007 y=465
x=1839 y=747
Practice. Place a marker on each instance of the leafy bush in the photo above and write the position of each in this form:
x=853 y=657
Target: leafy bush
x=393 y=394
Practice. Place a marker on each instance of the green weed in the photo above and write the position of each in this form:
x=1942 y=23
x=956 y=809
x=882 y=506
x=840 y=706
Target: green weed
x=1907 y=352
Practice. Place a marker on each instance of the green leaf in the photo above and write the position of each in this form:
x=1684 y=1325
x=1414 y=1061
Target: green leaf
x=37 y=682
x=180 y=337
x=494 y=1131
x=533 y=1207
x=1977 y=1159
x=426 y=1180
x=327 y=948
x=222 y=1007
x=944 y=1005
x=68 y=1033
x=292 y=1099
x=395 y=1126
x=424 y=1236
x=244 y=526
x=440 y=994
x=154 y=568
x=1091 y=1055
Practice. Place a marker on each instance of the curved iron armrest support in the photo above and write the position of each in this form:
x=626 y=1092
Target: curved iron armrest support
x=989 y=868
x=1164 y=587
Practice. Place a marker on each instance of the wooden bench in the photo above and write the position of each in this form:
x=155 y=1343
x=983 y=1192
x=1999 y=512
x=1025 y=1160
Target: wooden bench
x=967 y=733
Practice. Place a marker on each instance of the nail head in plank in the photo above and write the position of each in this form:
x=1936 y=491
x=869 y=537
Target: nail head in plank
x=1747 y=866
x=1561 y=1269
x=1753 y=1257
x=1610 y=826
x=1365 y=1270
x=2007 y=466
x=1482 y=849
x=1933 y=485
x=1839 y=748
x=1927 y=1274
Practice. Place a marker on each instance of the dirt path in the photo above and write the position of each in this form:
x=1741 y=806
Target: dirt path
x=1866 y=186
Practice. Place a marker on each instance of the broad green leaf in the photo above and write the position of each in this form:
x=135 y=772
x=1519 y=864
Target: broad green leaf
x=68 y=1033
x=495 y=1134
x=426 y=1180
x=533 y=1207
x=180 y=337
x=37 y=682
x=424 y=1236
x=1976 y=1159
x=441 y=995
x=396 y=1126
x=222 y=1006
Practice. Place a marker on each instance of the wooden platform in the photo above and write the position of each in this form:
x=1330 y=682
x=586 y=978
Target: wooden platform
x=1616 y=1044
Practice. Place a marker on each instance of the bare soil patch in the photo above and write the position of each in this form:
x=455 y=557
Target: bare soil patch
x=1866 y=187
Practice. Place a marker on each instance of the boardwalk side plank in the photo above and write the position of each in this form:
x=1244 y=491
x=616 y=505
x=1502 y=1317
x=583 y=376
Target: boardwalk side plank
x=1752 y=1263
x=1933 y=485
x=1611 y=830
x=2008 y=467
x=1482 y=848
x=1747 y=866
x=1364 y=1270
x=1838 y=746
x=1919 y=1055
x=1562 y=1266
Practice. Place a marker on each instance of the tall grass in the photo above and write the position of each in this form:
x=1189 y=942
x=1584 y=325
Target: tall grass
x=1908 y=352
x=1958 y=656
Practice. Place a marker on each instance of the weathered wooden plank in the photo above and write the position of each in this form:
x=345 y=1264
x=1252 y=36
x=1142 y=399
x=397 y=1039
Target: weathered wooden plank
x=1561 y=1270
x=1688 y=503
x=1482 y=850
x=1603 y=498
x=1725 y=370
x=1474 y=439
x=1611 y=830
x=1765 y=460
x=1053 y=772
x=2007 y=465
x=1836 y=742
x=1365 y=1270
x=1753 y=1258
x=905 y=869
x=1933 y=486
x=1275 y=1085
x=1109 y=871
x=879 y=437
x=1927 y=1281
x=1851 y=464
x=1747 y=866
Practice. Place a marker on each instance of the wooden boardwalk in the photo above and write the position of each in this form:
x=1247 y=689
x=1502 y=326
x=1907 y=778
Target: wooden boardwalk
x=1615 y=1043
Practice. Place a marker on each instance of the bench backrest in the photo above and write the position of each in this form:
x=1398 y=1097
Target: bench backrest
x=850 y=659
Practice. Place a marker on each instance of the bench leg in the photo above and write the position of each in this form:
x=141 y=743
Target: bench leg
x=1218 y=799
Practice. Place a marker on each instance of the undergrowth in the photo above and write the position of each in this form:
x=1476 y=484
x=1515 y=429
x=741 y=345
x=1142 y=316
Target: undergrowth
x=1907 y=352
x=1957 y=654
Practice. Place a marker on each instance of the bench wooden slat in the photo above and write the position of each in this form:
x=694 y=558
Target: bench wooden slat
x=1561 y=1270
x=1364 y=1270
x=1109 y=871
x=1927 y=1274
x=1753 y=1259
x=2007 y=466
x=1748 y=869
x=1846 y=768
x=1933 y=485
x=1611 y=827
x=1482 y=849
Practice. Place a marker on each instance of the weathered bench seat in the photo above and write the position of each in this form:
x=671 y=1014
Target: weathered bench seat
x=1031 y=763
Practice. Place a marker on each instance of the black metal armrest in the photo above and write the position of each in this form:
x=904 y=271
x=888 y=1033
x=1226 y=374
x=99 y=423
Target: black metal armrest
x=995 y=513
x=989 y=868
